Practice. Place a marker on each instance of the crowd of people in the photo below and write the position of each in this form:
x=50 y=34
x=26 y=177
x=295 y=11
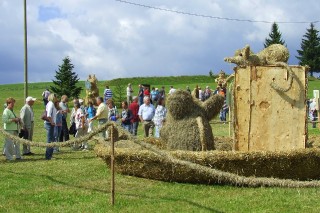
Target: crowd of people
x=146 y=107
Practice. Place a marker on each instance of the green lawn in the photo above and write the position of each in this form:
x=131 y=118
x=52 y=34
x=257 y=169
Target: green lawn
x=77 y=181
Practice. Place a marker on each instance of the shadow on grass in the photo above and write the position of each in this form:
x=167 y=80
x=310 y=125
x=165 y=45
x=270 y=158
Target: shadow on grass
x=107 y=191
x=41 y=157
x=174 y=199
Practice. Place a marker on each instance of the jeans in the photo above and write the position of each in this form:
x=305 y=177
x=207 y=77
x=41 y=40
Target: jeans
x=57 y=133
x=140 y=100
x=127 y=127
x=134 y=128
x=64 y=136
x=50 y=138
x=223 y=115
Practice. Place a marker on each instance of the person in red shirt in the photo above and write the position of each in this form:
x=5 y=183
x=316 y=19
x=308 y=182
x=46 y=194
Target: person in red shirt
x=146 y=92
x=134 y=107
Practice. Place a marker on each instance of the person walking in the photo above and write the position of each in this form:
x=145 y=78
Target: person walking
x=146 y=113
x=27 y=120
x=10 y=124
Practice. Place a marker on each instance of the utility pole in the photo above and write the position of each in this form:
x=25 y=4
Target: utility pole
x=25 y=52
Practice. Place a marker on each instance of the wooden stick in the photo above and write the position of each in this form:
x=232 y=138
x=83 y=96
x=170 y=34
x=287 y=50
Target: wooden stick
x=112 y=167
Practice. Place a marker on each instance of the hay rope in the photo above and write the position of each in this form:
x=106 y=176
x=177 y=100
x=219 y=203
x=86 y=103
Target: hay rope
x=290 y=76
x=218 y=175
x=80 y=140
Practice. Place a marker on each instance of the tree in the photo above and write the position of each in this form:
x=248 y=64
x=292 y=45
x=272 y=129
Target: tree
x=310 y=50
x=66 y=80
x=274 y=36
x=211 y=74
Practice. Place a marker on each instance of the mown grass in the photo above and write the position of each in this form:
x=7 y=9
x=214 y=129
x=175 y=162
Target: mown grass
x=76 y=181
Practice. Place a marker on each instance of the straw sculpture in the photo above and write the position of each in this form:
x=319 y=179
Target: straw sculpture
x=187 y=124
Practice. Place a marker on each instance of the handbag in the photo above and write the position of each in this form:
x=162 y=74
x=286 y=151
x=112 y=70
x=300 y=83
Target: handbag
x=72 y=129
x=23 y=134
x=44 y=116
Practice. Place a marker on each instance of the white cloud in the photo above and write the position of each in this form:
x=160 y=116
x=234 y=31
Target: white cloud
x=113 y=39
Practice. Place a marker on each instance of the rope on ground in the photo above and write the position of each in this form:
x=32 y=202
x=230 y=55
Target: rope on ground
x=79 y=140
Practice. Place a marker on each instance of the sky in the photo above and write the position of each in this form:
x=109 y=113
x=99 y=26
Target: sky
x=113 y=39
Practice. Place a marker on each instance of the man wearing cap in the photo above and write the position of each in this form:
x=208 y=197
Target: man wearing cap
x=27 y=119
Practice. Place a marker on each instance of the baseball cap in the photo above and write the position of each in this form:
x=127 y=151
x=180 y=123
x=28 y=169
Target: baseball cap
x=29 y=98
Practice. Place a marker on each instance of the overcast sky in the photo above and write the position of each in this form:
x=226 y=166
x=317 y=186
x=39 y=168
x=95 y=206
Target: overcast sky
x=113 y=39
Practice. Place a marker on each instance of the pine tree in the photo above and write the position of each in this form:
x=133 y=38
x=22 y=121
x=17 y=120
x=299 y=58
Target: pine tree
x=275 y=36
x=310 y=50
x=66 y=80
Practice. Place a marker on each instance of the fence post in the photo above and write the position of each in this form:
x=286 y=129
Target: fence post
x=112 y=166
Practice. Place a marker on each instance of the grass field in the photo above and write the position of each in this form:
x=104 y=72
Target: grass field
x=76 y=181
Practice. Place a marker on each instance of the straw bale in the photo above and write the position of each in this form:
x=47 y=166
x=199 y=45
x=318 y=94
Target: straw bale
x=213 y=167
x=187 y=124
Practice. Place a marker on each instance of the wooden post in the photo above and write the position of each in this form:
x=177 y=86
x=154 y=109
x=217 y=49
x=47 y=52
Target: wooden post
x=112 y=166
x=230 y=119
x=25 y=50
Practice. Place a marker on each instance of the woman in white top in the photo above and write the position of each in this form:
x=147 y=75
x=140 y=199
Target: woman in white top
x=81 y=125
x=159 y=117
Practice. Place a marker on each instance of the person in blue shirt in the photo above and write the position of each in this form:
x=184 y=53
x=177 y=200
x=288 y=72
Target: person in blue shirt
x=107 y=94
x=91 y=113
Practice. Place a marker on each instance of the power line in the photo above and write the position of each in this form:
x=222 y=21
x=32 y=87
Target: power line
x=214 y=17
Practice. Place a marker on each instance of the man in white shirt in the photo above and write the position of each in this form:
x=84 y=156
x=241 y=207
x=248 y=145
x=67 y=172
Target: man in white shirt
x=146 y=113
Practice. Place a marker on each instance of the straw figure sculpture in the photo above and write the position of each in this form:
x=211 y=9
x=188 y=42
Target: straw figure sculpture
x=275 y=54
x=187 y=124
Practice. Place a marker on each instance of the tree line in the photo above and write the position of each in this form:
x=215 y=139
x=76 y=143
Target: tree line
x=309 y=54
